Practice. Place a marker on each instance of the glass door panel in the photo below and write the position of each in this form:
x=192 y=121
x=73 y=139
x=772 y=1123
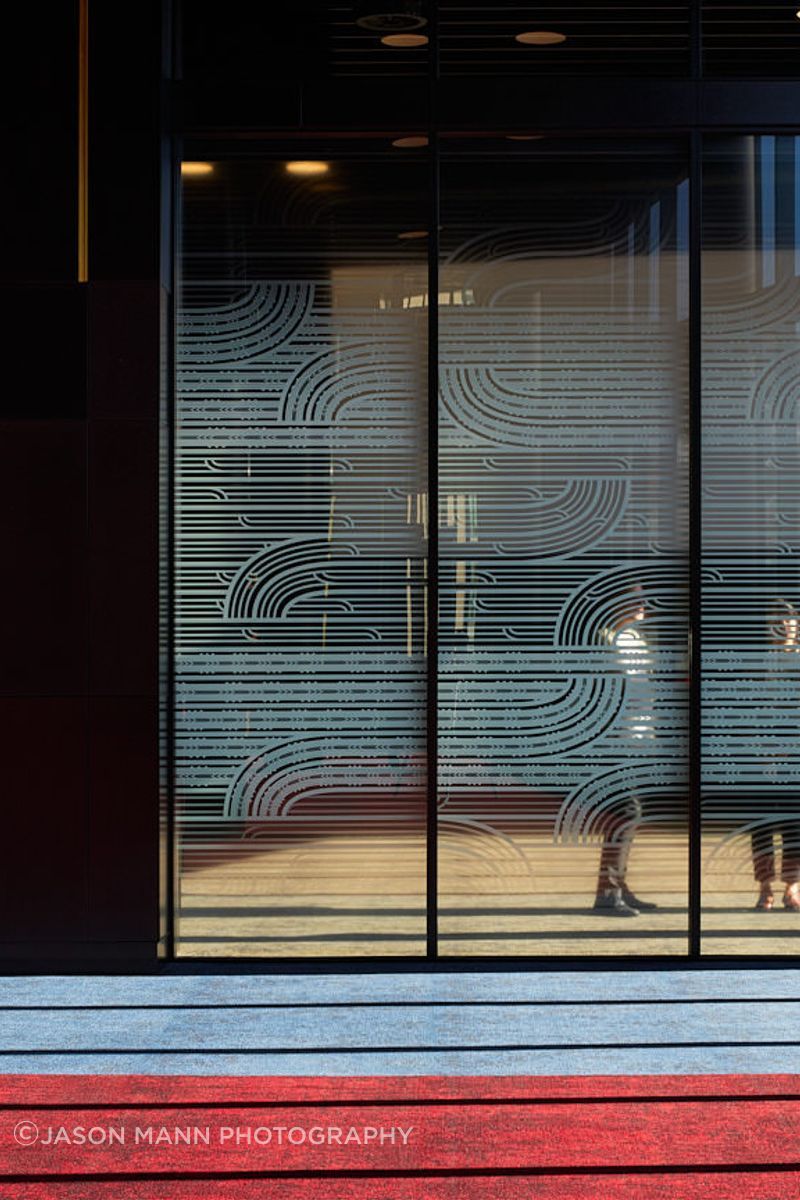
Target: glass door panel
x=751 y=543
x=300 y=543
x=301 y=604
x=563 y=479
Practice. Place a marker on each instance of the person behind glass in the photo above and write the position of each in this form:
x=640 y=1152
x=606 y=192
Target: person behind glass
x=784 y=632
x=614 y=897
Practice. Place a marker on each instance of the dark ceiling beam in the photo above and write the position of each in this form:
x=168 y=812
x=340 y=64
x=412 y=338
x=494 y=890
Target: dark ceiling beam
x=497 y=104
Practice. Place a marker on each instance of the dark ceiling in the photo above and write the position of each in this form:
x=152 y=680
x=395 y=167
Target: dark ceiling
x=253 y=40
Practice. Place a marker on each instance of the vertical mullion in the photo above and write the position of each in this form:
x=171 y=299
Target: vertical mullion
x=171 y=248
x=432 y=452
x=695 y=541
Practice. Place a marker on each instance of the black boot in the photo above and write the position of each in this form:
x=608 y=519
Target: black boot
x=611 y=902
x=635 y=902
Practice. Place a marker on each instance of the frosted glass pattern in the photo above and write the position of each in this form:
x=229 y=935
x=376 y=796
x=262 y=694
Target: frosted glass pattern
x=304 y=639
x=751 y=542
x=563 y=565
x=301 y=528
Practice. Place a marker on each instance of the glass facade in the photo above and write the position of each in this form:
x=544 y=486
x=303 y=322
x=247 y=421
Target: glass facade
x=751 y=540
x=434 y=667
x=564 y=547
x=300 y=554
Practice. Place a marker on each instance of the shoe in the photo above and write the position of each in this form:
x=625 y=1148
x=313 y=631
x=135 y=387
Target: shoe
x=766 y=899
x=634 y=901
x=791 y=897
x=612 y=904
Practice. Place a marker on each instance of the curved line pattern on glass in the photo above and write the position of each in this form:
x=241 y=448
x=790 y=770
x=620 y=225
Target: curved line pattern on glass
x=751 y=540
x=301 y=524
x=301 y=553
x=563 y=534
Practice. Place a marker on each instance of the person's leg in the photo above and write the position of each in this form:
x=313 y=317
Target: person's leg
x=613 y=854
x=763 y=850
x=619 y=827
x=790 y=864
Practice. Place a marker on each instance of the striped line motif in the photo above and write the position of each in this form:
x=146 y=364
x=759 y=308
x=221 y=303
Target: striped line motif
x=302 y=571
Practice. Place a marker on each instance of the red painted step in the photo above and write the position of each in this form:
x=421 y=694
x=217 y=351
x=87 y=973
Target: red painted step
x=762 y=1185
x=354 y=1125
x=442 y=1137
x=219 y=1089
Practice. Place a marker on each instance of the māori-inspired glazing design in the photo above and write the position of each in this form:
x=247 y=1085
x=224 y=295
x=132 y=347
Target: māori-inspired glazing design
x=303 y=572
x=301 y=528
x=564 y=557
x=751 y=543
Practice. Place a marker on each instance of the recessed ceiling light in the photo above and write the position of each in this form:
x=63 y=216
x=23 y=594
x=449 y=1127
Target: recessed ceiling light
x=307 y=167
x=405 y=41
x=406 y=15
x=541 y=37
x=197 y=168
x=409 y=143
x=410 y=234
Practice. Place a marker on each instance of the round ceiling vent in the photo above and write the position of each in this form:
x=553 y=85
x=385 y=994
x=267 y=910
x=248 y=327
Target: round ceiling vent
x=404 y=15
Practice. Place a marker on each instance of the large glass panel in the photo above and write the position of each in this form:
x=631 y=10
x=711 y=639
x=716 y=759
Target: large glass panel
x=751 y=543
x=301 y=524
x=563 y=526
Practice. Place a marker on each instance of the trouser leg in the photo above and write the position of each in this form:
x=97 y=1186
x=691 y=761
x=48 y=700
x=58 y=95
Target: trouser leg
x=763 y=848
x=790 y=852
x=619 y=830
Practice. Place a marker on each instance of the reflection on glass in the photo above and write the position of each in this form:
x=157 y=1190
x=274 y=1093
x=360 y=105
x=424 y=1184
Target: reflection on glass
x=563 y=530
x=751 y=543
x=301 y=529
x=743 y=39
x=585 y=37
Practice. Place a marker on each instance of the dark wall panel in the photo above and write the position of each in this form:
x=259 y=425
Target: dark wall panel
x=44 y=330
x=124 y=147
x=43 y=603
x=44 y=782
x=80 y=496
x=122 y=819
x=123 y=349
x=40 y=140
x=123 y=559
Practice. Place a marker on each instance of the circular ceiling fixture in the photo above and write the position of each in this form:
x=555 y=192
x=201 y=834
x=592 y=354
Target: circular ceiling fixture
x=307 y=167
x=403 y=16
x=405 y=40
x=410 y=143
x=541 y=37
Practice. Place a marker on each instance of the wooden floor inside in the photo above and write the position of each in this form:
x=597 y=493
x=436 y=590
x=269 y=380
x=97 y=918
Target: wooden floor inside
x=592 y=1084
x=337 y=896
